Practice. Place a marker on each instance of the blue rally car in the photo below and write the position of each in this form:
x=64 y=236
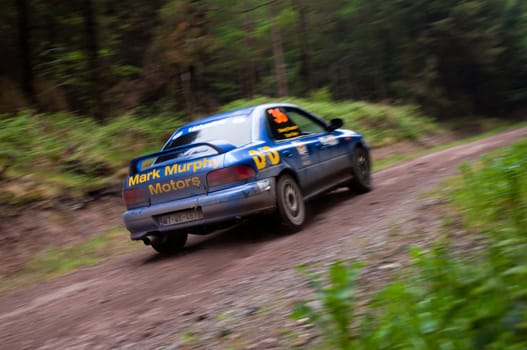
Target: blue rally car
x=216 y=170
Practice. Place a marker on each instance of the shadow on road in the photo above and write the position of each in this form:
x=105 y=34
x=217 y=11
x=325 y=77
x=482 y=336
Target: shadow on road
x=253 y=231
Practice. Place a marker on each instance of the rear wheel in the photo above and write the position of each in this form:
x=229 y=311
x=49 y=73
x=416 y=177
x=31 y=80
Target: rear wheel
x=169 y=242
x=290 y=202
x=361 y=171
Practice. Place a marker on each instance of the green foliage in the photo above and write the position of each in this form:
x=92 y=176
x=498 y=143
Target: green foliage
x=321 y=95
x=76 y=154
x=381 y=124
x=334 y=316
x=448 y=302
x=495 y=193
x=449 y=299
x=58 y=260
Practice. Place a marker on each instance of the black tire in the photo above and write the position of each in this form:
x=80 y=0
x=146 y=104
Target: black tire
x=290 y=203
x=361 y=171
x=169 y=242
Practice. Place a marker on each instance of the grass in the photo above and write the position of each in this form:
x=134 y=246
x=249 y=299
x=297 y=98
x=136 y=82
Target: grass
x=73 y=155
x=59 y=260
x=447 y=298
x=497 y=128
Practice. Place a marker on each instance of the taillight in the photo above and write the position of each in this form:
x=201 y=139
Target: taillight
x=133 y=196
x=229 y=175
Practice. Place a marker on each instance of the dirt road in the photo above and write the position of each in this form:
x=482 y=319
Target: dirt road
x=235 y=288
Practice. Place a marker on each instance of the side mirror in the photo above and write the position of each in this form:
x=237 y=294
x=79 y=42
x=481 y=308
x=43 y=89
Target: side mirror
x=335 y=124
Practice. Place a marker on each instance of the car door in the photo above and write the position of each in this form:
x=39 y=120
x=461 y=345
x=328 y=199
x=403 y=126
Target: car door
x=296 y=137
x=332 y=151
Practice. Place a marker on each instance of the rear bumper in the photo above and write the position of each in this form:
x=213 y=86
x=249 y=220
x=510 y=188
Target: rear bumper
x=217 y=207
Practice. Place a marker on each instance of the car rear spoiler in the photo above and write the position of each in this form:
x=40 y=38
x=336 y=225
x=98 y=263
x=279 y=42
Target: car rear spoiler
x=136 y=163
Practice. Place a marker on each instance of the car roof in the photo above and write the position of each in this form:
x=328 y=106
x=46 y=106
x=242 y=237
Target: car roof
x=237 y=112
x=228 y=114
x=247 y=111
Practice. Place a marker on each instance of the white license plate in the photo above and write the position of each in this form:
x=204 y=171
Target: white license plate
x=181 y=216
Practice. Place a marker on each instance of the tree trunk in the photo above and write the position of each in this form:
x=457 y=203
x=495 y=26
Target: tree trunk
x=306 y=67
x=186 y=81
x=24 y=38
x=250 y=74
x=92 y=50
x=278 y=52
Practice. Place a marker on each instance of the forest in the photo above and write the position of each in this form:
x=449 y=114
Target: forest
x=105 y=58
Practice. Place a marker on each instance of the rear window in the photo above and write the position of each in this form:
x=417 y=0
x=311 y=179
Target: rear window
x=235 y=130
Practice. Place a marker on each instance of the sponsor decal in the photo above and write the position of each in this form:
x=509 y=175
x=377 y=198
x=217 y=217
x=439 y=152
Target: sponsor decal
x=204 y=163
x=174 y=185
x=301 y=148
x=303 y=152
x=289 y=131
x=146 y=177
x=174 y=169
x=291 y=134
x=328 y=140
x=263 y=154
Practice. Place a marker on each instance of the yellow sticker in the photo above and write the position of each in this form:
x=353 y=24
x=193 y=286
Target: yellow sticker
x=174 y=185
x=263 y=154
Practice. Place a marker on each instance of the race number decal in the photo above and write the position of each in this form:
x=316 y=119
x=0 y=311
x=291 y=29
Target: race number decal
x=262 y=155
x=279 y=116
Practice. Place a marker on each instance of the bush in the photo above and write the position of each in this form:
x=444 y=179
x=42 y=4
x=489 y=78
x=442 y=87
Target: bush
x=71 y=152
x=446 y=300
x=336 y=311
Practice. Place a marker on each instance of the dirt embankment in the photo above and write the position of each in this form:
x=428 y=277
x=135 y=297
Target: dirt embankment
x=234 y=288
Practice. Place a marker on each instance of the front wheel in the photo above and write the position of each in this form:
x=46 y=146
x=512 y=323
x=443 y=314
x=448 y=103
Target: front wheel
x=169 y=242
x=361 y=171
x=290 y=202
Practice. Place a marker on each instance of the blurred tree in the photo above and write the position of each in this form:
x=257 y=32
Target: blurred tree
x=186 y=46
x=306 y=67
x=249 y=80
x=92 y=52
x=278 y=51
x=25 y=49
x=93 y=56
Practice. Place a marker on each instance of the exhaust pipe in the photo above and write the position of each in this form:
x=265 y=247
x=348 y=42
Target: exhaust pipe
x=147 y=240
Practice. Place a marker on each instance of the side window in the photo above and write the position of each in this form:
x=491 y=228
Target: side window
x=306 y=124
x=280 y=125
x=286 y=123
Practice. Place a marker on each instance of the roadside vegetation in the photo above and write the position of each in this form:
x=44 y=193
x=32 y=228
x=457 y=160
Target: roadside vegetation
x=58 y=260
x=448 y=298
x=64 y=155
